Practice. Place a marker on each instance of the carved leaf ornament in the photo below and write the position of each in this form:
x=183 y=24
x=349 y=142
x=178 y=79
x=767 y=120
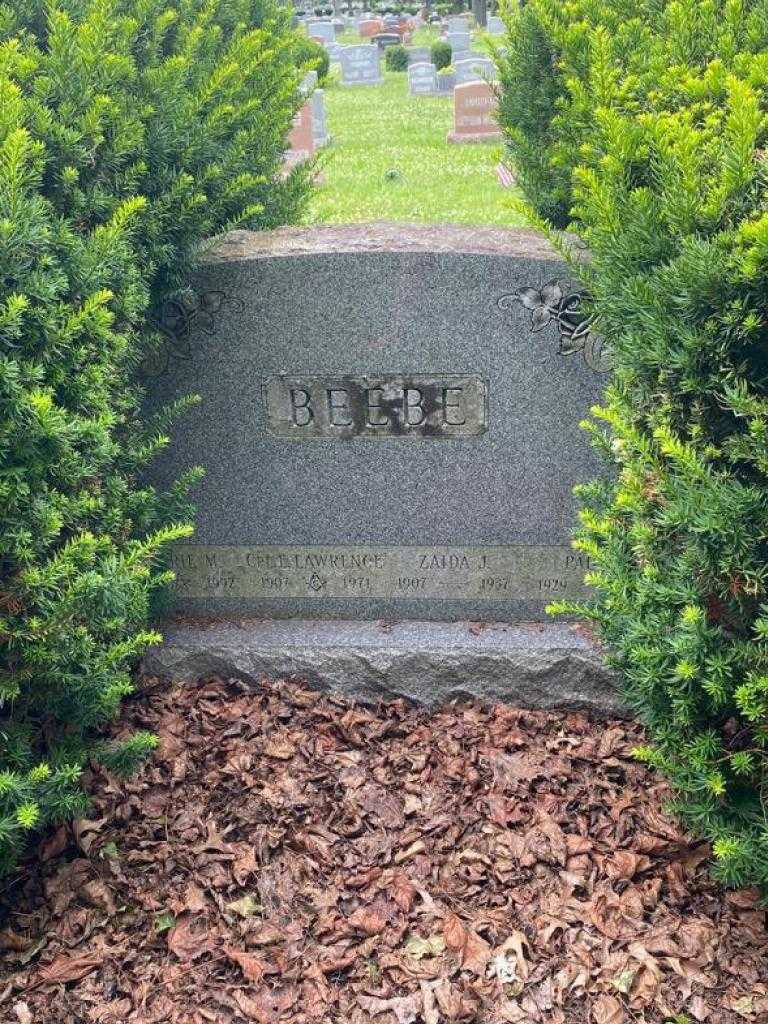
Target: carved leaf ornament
x=549 y=306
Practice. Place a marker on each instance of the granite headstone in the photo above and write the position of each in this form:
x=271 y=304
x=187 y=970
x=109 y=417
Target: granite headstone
x=419 y=55
x=422 y=79
x=360 y=65
x=323 y=31
x=374 y=446
x=460 y=42
x=474 y=113
x=495 y=26
x=385 y=39
x=389 y=424
x=301 y=139
x=319 y=120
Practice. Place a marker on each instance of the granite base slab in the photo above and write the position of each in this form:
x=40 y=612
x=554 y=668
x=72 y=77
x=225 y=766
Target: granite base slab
x=528 y=664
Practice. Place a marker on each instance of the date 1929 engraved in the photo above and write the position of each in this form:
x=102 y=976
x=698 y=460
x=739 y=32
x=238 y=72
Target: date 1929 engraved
x=494 y=573
x=412 y=406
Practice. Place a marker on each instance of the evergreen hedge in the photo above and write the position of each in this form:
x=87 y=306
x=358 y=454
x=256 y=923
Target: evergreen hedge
x=129 y=131
x=667 y=186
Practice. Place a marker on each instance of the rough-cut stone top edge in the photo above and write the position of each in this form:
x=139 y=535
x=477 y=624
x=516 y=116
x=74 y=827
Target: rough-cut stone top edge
x=378 y=237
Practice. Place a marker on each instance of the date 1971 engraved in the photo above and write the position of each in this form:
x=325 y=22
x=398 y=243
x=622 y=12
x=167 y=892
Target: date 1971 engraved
x=494 y=573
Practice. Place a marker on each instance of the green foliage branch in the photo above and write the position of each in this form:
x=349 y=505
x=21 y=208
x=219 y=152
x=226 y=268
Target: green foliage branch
x=666 y=185
x=130 y=130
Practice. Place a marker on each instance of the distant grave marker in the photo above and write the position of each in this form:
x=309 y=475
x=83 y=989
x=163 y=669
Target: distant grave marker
x=301 y=141
x=419 y=55
x=385 y=39
x=323 y=31
x=460 y=42
x=474 y=109
x=319 y=120
x=422 y=79
x=371 y=27
x=360 y=65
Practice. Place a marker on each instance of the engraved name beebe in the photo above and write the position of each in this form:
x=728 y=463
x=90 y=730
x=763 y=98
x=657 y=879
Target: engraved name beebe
x=412 y=406
x=493 y=573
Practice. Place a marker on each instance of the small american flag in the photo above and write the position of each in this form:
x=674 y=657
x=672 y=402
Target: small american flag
x=506 y=177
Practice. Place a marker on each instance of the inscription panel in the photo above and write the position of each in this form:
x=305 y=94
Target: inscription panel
x=412 y=406
x=494 y=573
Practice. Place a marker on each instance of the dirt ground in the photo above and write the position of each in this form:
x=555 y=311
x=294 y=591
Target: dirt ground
x=292 y=857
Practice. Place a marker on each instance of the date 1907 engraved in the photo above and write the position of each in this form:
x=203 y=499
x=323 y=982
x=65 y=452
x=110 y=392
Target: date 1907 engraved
x=494 y=573
x=412 y=406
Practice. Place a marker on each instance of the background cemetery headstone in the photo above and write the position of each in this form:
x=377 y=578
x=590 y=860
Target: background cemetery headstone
x=460 y=23
x=322 y=31
x=495 y=26
x=371 y=27
x=309 y=83
x=301 y=139
x=474 y=109
x=419 y=55
x=360 y=65
x=385 y=438
x=460 y=42
x=385 y=39
x=422 y=79
x=474 y=69
x=446 y=82
x=319 y=119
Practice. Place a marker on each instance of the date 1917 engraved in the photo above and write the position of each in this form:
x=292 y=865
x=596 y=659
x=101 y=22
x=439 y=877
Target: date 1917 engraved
x=515 y=572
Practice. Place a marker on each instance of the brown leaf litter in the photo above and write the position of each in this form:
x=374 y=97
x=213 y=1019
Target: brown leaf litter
x=290 y=857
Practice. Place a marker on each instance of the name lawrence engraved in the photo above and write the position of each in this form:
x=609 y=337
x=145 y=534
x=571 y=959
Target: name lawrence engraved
x=413 y=406
x=494 y=573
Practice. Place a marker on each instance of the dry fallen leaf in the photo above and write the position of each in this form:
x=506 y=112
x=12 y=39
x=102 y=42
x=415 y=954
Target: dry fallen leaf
x=186 y=941
x=253 y=967
x=67 y=968
x=405 y=1008
x=608 y=1010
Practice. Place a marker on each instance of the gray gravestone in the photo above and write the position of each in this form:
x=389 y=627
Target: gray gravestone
x=458 y=24
x=385 y=39
x=322 y=31
x=419 y=55
x=466 y=71
x=415 y=447
x=334 y=52
x=472 y=69
x=459 y=42
x=389 y=424
x=445 y=82
x=360 y=65
x=495 y=26
x=422 y=80
x=319 y=120
x=308 y=83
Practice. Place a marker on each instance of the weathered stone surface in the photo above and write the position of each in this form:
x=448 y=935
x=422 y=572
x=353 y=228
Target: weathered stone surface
x=360 y=65
x=533 y=665
x=343 y=374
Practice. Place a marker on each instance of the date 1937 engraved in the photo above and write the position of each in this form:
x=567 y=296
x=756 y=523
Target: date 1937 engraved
x=514 y=572
x=413 y=406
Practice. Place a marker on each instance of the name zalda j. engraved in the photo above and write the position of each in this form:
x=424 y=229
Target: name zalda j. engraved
x=411 y=406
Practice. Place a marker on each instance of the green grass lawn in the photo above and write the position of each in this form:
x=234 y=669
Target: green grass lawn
x=389 y=160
